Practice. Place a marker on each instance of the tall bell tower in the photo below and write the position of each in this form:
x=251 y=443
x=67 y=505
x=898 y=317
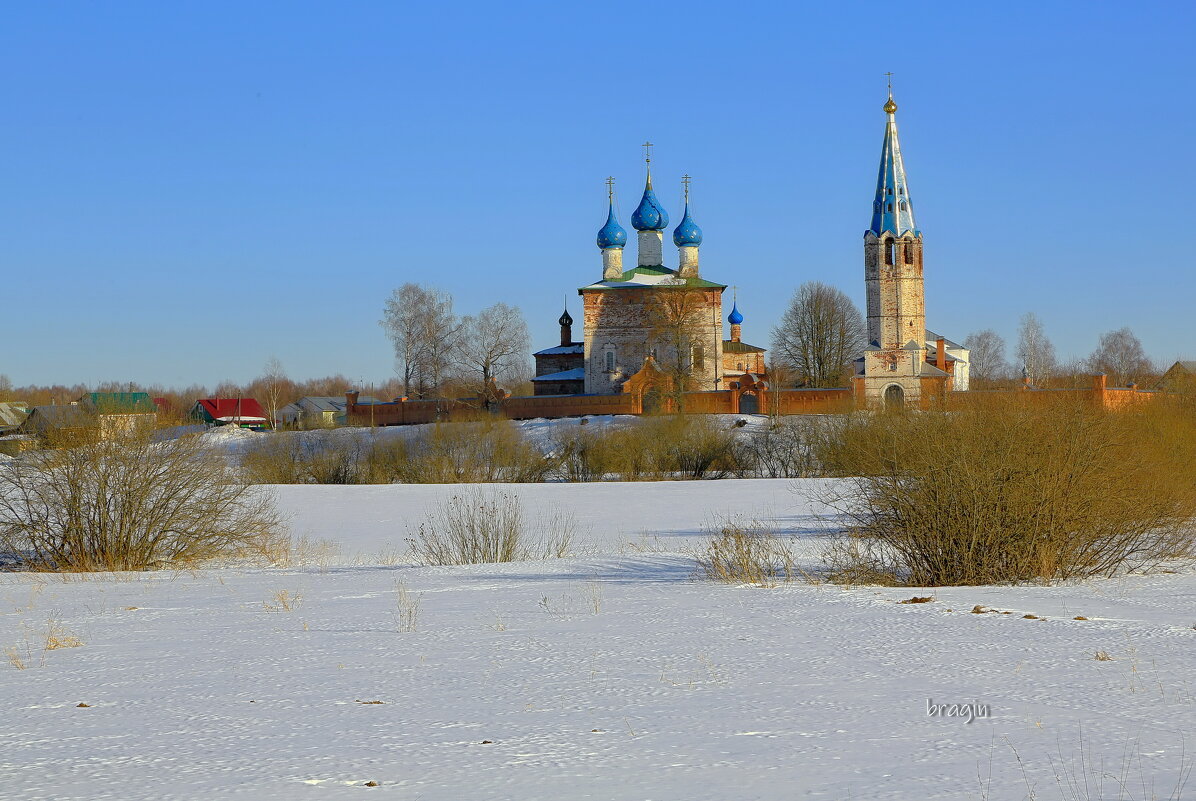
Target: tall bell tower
x=894 y=360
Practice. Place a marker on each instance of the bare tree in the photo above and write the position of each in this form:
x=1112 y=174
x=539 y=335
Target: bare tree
x=493 y=345
x=272 y=387
x=5 y=387
x=420 y=322
x=819 y=335
x=1034 y=350
x=675 y=318
x=1121 y=357
x=986 y=360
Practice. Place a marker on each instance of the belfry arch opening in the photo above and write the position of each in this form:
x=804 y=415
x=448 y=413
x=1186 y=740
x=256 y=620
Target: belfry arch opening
x=894 y=398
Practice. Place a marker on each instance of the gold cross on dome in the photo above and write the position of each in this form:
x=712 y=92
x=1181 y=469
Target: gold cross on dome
x=647 y=152
x=610 y=187
x=889 y=76
x=685 y=179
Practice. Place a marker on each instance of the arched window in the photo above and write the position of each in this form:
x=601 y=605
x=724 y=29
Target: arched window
x=903 y=207
x=909 y=252
x=699 y=357
x=610 y=361
x=888 y=207
x=739 y=366
x=890 y=251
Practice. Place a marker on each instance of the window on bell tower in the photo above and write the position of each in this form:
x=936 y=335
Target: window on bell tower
x=890 y=251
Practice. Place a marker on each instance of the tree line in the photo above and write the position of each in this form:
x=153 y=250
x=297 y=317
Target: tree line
x=822 y=332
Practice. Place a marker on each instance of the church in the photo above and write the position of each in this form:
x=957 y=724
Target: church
x=665 y=325
x=649 y=319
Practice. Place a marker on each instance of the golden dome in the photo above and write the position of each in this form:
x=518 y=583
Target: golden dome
x=890 y=106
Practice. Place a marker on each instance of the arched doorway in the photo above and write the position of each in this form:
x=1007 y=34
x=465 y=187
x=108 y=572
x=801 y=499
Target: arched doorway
x=749 y=403
x=894 y=398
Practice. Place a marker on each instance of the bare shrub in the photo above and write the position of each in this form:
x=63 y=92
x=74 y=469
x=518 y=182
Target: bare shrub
x=130 y=504
x=487 y=451
x=651 y=449
x=478 y=527
x=747 y=553
x=785 y=448
x=291 y=458
x=1014 y=490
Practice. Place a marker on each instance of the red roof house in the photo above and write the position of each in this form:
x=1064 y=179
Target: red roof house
x=243 y=412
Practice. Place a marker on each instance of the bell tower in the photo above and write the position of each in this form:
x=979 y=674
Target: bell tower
x=894 y=361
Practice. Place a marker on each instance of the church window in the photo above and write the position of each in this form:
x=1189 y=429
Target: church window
x=888 y=207
x=888 y=190
x=890 y=251
x=699 y=357
x=909 y=252
x=903 y=207
x=610 y=361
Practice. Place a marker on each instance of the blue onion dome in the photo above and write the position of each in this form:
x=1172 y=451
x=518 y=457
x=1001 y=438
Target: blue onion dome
x=649 y=215
x=687 y=233
x=612 y=234
x=565 y=318
x=735 y=318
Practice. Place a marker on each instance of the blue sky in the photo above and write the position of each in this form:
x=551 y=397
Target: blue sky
x=189 y=188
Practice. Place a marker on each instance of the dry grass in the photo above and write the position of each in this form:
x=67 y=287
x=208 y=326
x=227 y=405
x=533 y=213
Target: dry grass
x=284 y=601
x=480 y=527
x=747 y=553
x=58 y=637
x=406 y=608
x=1010 y=491
x=1103 y=656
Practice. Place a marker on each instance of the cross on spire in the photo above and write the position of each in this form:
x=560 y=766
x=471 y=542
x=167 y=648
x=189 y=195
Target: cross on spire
x=610 y=187
x=889 y=76
x=647 y=152
x=685 y=179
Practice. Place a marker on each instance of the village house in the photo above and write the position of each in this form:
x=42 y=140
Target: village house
x=242 y=412
x=317 y=411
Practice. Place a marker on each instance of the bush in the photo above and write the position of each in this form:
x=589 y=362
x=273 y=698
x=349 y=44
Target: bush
x=1012 y=490
x=478 y=527
x=785 y=448
x=292 y=458
x=747 y=554
x=129 y=504
x=460 y=453
x=649 y=449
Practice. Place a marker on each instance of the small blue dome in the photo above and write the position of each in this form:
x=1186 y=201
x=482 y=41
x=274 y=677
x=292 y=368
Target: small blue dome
x=687 y=233
x=649 y=215
x=612 y=234
x=735 y=318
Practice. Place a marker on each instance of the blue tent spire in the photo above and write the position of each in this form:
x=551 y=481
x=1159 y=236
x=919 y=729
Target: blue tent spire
x=892 y=209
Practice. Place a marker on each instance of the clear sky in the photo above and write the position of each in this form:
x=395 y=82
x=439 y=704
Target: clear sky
x=187 y=189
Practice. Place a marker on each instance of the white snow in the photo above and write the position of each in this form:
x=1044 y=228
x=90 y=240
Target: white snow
x=614 y=674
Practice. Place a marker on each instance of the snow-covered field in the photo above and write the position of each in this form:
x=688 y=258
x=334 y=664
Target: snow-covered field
x=613 y=674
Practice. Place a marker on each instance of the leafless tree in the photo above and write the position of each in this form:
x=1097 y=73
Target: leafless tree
x=986 y=360
x=5 y=387
x=1035 y=352
x=420 y=322
x=494 y=345
x=819 y=335
x=272 y=387
x=1121 y=357
x=675 y=318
